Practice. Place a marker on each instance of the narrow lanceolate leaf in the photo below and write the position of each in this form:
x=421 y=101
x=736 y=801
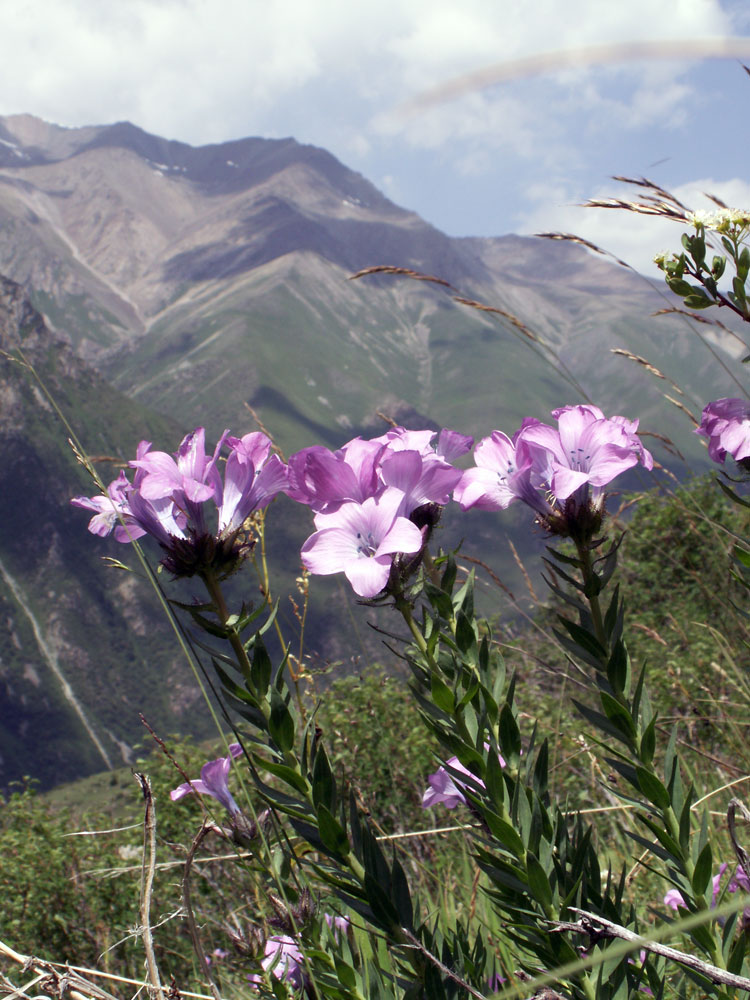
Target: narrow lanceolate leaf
x=601 y=722
x=618 y=668
x=281 y=723
x=287 y=774
x=618 y=715
x=648 y=742
x=652 y=788
x=703 y=871
x=510 y=737
x=442 y=694
x=401 y=895
x=260 y=670
x=539 y=883
x=323 y=784
x=466 y=639
x=505 y=833
x=585 y=639
x=332 y=833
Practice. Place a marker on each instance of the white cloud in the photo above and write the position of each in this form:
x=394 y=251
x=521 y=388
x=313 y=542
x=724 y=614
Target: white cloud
x=204 y=69
x=330 y=72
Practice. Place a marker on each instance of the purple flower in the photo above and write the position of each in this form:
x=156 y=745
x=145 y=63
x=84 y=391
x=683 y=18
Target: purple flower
x=168 y=496
x=421 y=480
x=450 y=444
x=739 y=882
x=213 y=781
x=337 y=924
x=445 y=786
x=109 y=509
x=374 y=500
x=587 y=449
x=323 y=479
x=251 y=480
x=359 y=541
x=559 y=472
x=283 y=959
x=502 y=474
x=675 y=900
x=726 y=424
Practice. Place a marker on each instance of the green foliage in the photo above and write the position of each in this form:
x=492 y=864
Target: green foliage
x=377 y=743
x=683 y=603
x=52 y=906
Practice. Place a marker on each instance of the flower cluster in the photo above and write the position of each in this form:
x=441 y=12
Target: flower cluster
x=168 y=496
x=726 y=424
x=735 y=220
x=373 y=500
x=559 y=472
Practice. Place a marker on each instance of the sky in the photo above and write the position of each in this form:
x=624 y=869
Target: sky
x=484 y=116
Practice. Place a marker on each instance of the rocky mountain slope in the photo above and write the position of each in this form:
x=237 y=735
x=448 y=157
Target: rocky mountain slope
x=83 y=647
x=199 y=279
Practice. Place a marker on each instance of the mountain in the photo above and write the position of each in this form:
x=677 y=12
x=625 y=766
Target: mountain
x=156 y=287
x=201 y=279
x=84 y=646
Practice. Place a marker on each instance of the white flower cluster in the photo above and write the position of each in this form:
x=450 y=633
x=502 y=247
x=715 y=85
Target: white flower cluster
x=722 y=221
x=661 y=259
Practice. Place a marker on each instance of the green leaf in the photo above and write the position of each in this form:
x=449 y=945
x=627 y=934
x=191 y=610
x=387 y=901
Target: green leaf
x=280 y=722
x=401 y=896
x=648 y=742
x=541 y=769
x=260 y=669
x=287 y=774
x=510 y=737
x=717 y=267
x=578 y=651
x=382 y=907
x=737 y=956
x=449 y=576
x=613 y=617
x=601 y=722
x=494 y=781
x=618 y=668
x=440 y=600
x=466 y=638
x=698 y=301
x=323 y=784
x=332 y=832
x=618 y=715
x=585 y=639
x=679 y=286
x=442 y=694
x=345 y=973
x=505 y=833
x=652 y=788
x=703 y=871
x=539 y=883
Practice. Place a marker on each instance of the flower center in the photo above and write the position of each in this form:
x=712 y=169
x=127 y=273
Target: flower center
x=366 y=544
x=503 y=477
x=578 y=460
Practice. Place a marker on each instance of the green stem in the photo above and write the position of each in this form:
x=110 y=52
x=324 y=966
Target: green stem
x=290 y=759
x=591 y=586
